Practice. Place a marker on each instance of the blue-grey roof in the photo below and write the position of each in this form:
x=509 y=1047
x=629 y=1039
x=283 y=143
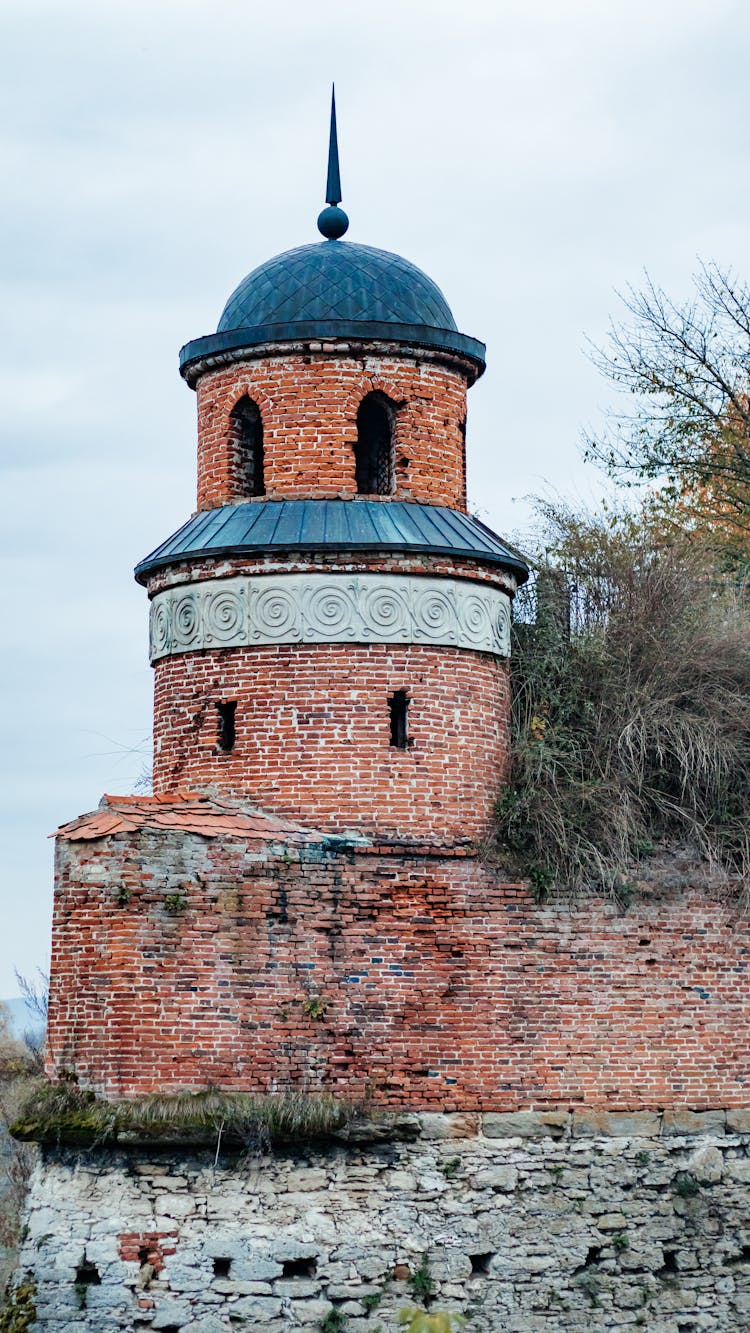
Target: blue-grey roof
x=335 y=289
x=336 y=280
x=332 y=525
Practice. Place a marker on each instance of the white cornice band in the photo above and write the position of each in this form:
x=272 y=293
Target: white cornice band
x=330 y=608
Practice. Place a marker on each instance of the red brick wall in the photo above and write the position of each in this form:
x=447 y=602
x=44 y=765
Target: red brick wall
x=309 y=403
x=434 y=984
x=313 y=733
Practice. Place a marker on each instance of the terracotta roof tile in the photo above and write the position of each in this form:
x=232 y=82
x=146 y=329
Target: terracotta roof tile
x=188 y=811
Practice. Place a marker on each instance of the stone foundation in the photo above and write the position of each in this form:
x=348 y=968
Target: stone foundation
x=523 y=1222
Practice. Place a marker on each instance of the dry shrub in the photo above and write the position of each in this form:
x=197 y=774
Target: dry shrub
x=631 y=730
x=18 y=1067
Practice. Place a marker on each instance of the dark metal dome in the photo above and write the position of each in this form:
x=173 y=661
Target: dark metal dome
x=335 y=289
x=337 y=281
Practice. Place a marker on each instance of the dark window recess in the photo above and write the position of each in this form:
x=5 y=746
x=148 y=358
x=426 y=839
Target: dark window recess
x=227 y=733
x=222 y=1267
x=299 y=1267
x=87 y=1274
x=373 y=452
x=246 y=432
x=398 y=705
x=480 y=1263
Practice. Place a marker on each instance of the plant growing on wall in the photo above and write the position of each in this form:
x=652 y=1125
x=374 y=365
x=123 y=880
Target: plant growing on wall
x=436 y=1321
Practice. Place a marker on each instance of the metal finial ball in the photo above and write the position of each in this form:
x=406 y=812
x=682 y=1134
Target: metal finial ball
x=333 y=222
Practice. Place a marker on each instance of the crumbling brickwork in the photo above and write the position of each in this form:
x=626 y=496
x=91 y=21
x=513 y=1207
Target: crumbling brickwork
x=413 y=979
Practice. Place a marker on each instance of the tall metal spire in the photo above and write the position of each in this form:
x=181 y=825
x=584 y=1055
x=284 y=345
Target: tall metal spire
x=333 y=184
x=333 y=222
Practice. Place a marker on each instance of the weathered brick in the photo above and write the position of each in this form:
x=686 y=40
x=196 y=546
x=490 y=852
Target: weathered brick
x=308 y=403
x=444 y=989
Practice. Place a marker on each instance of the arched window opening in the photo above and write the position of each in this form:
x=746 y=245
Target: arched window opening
x=246 y=427
x=373 y=452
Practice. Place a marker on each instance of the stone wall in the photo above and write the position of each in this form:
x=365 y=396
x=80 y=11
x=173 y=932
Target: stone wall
x=526 y=1224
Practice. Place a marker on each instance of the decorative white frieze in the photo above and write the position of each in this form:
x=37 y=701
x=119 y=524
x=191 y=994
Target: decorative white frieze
x=330 y=608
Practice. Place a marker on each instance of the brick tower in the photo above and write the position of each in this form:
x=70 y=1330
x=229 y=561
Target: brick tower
x=329 y=633
x=554 y=1125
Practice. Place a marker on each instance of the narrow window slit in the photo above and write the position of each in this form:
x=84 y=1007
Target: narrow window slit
x=398 y=705
x=227 y=733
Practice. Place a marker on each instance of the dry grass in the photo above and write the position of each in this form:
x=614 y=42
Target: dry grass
x=19 y=1065
x=633 y=731
x=63 y=1113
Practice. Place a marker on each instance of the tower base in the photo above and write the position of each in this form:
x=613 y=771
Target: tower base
x=522 y=1223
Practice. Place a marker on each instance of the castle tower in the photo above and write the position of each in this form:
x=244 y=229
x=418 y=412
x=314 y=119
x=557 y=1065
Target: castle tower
x=552 y=1124
x=330 y=631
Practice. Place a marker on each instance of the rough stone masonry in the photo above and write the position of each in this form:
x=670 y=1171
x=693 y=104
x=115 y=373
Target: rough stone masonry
x=524 y=1222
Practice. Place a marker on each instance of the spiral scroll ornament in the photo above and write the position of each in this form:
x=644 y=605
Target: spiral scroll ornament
x=185 y=621
x=502 y=628
x=160 y=629
x=435 y=616
x=330 y=611
x=385 y=610
x=476 y=619
x=224 y=616
x=275 y=614
x=330 y=608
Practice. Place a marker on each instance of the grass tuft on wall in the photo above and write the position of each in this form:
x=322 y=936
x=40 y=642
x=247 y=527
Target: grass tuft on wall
x=63 y=1113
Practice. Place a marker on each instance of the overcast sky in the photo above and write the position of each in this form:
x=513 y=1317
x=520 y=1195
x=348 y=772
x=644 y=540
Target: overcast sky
x=532 y=156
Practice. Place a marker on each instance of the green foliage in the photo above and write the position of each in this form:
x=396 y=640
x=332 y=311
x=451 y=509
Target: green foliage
x=434 y=1321
x=421 y=1281
x=334 y=1322
x=620 y=1242
x=630 y=726
x=316 y=1006
x=64 y=1113
x=18 y=1313
x=686 y=1185
x=450 y=1167
x=175 y=903
x=591 y=1283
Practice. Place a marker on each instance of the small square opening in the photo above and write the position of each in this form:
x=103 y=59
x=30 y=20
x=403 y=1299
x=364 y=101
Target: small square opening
x=222 y=1267
x=480 y=1263
x=299 y=1267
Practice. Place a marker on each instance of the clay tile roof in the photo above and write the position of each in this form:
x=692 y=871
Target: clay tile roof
x=189 y=812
